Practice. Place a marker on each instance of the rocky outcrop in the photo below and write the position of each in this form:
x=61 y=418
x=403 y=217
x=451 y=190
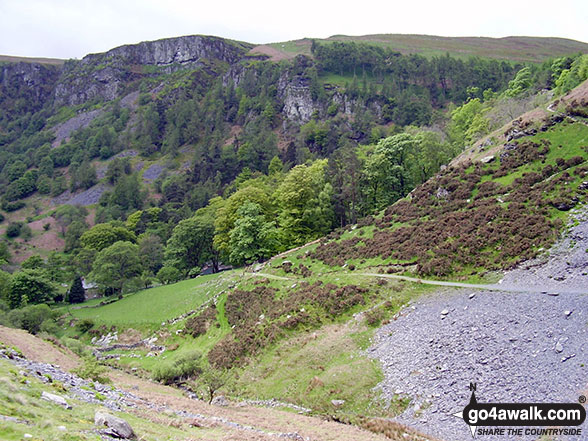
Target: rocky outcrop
x=32 y=82
x=298 y=103
x=104 y=75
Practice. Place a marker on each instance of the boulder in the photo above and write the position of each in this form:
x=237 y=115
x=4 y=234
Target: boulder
x=220 y=401
x=115 y=426
x=56 y=399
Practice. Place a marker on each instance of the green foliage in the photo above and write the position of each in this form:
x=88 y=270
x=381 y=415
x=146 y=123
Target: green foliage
x=13 y=230
x=169 y=274
x=76 y=346
x=65 y=215
x=191 y=243
x=76 y=293
x=211 y=379
x=116 y=264
x=5 y=256
x=304 y=202
x=521 y=83
x=570 y=78
x=92 y=370
x=33 y=262
x=84 y=325
x=151 y=251
x=33 y=318
x=180 y=370
x=252 y=237
x=30 y=286
x=468 y=122
x=74 y=231
x=101 y=236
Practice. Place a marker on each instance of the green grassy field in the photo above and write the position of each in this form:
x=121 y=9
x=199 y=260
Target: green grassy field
x=150 y=307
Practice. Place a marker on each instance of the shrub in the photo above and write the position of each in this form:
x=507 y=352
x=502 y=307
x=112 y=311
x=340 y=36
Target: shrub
x=13 y=229
x=169 y=274
x=76 y=346
x=91 y=370
x=180 y=370
x=194 y=272
x=84 y=325
x=31 y=318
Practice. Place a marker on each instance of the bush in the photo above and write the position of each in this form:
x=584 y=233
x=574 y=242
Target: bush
x=180 y=370
x=13 y=206
x=76 y=346
x=32 y=318
x=194 y=272
x=169 y=274
x=93 y=371
x=84 y=325
x=13 y=229
x=49 y=326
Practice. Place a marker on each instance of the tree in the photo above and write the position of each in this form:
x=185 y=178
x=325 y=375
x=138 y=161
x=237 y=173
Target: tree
x=77 y=293
x=225 y=213
x=116 y=265
x=253 y=237
x=212 y=379
x=344 y=176
x=521 y=83
x=168 y=274
x=33 y=262
x=4 y=253
x=151 y=250
x=73 y=234
x=29 y=287
x=67 y=214
x=101 y=236
x=304 y=202
x=191 y=243
x=468 y=122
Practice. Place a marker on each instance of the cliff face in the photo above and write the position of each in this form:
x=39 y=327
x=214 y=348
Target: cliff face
x=32 y=82
x=104 y=75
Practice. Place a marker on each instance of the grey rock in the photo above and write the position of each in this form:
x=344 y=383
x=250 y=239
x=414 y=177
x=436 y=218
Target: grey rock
x=115 y=426
x=56 y=399
x=221 y=400
x=337 y=403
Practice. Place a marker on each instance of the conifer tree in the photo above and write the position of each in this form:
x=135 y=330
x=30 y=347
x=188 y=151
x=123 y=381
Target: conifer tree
x=77 y=293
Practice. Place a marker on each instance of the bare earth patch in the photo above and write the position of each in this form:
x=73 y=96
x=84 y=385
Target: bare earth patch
x=272 y=52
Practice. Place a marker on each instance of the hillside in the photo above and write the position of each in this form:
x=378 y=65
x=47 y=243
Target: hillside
x=317 y=234
x=516 y=49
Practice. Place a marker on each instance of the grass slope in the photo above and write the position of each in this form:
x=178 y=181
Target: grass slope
x=522 y=49
x=148 y=308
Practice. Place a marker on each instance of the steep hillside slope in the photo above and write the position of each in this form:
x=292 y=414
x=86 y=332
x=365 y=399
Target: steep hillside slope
x=498 y=207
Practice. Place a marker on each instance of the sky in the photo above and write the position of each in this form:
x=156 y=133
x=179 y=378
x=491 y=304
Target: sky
x=74 y=28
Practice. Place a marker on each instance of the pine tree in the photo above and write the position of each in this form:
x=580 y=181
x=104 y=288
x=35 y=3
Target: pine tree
x=77 y=293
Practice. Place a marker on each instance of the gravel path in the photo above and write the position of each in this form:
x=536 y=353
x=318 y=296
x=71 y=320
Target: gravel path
x=527 y=346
